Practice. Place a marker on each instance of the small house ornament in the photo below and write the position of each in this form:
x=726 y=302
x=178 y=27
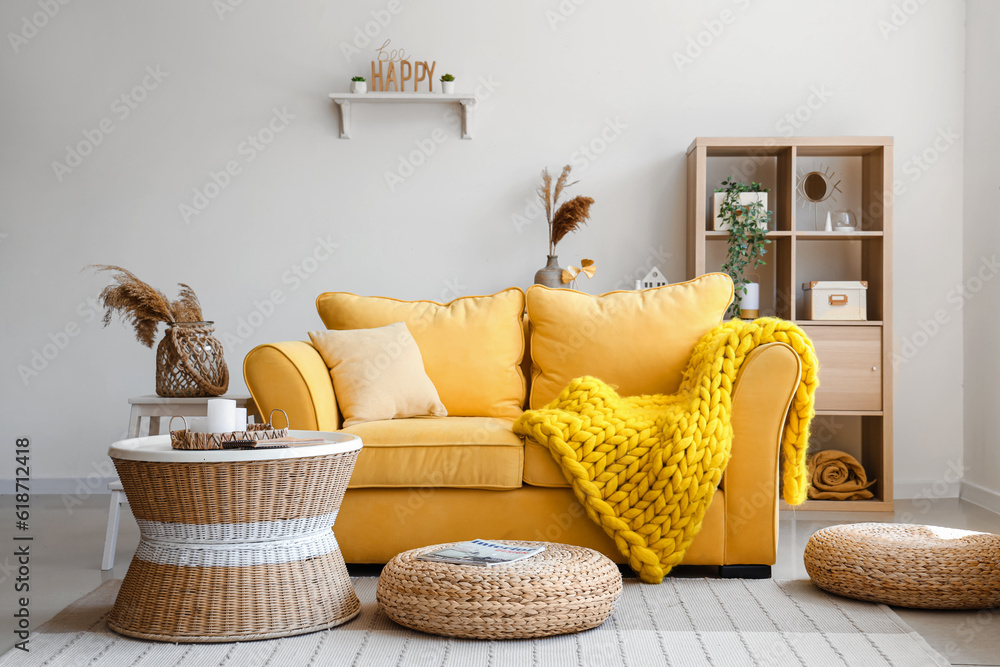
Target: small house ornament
x=654 y=278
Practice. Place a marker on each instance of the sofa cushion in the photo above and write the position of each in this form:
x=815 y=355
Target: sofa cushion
x=639 y=341
x=540 y=469
x=454 y=452
x=377 y=374
x=472 y=346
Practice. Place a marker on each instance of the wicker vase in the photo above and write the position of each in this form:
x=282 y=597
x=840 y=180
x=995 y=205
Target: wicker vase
x=551 y=274
x=189 y=362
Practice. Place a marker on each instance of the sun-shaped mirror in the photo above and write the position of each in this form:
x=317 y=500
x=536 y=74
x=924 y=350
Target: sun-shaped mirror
x=815 y=187
x=819 y=186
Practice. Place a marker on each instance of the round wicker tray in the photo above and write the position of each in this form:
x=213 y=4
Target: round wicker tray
x=561 y=590
x=907 y=566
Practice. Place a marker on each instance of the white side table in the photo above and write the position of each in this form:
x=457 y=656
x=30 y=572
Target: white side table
x=151 y=408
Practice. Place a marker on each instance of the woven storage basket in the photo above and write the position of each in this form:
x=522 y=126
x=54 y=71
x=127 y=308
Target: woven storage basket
x=563 y=589
x=190 y=362
x=908 y=566
x=235 y=551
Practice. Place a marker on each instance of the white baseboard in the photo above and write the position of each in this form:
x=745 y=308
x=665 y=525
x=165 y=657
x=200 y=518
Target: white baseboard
x=932 y=488
x=980 y=495
x=61 y=486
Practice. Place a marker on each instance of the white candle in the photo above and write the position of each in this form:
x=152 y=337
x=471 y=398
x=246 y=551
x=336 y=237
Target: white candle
x=197 y=424
x=751 y=300
x=241 y=420
x=221 y=415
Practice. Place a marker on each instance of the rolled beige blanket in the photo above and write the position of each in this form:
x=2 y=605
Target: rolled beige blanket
x=837 y=475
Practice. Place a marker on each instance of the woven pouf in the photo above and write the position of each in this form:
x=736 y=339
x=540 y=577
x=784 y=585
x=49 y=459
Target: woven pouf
x=560 y=590
x=907 y=566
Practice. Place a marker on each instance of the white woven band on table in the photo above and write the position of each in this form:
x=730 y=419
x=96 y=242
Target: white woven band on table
x=235 y=532
x=245 y=554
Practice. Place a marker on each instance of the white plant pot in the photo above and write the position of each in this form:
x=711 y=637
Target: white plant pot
x=745 y=199
x=448 y=87
x=359 y=86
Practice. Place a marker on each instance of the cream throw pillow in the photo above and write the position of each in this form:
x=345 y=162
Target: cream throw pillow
x=377 y=374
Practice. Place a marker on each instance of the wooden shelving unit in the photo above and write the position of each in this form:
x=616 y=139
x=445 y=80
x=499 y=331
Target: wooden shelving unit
x=855 y=357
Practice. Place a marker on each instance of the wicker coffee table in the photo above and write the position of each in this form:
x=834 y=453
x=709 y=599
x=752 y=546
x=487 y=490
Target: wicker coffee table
x=235 y=545
x=561 y=590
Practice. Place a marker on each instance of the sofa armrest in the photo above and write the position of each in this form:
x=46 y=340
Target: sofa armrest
x=763 y=392
x=292 y=376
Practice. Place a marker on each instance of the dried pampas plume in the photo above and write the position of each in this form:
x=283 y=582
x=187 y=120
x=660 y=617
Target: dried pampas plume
x=561 y=184
x=186 y=308
x=545 y=194
x=144 y=306
x=567 y=217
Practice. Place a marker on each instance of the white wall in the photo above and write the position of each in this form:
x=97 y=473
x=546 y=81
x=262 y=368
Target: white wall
x=448 y=229
x=982 y=251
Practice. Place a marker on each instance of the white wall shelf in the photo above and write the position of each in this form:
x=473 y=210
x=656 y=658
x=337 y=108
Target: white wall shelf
x=345 y=101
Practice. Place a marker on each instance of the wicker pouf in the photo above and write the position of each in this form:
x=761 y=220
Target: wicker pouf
x=907 y=566
x=563 y=589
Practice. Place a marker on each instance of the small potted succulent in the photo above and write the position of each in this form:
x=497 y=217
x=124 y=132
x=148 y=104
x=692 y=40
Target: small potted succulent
x=746 y=219
x=447 y=84
x=358 y=85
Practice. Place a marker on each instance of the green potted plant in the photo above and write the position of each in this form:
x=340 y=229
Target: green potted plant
x=358 y=85
x=447 y=84
x=746 y=219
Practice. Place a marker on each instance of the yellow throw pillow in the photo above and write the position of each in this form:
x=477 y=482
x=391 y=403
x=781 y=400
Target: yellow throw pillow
x=638 y=341
x=377 y=374
x=472 y=346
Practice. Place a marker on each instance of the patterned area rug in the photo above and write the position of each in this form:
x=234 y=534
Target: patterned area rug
x=679 y=622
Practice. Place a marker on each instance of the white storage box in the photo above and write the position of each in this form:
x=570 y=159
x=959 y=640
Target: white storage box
x=746 y=198
x=835 y=300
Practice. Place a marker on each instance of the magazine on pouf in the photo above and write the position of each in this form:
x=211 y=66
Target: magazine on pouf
x=480 y=553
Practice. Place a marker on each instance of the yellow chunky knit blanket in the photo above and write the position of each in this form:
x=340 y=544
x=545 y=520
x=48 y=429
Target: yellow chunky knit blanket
x=645 y=467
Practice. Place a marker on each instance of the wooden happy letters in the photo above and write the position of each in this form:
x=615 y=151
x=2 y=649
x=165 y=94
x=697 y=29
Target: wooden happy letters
x=389 y=77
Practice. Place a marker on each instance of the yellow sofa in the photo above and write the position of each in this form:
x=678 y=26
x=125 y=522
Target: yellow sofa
x=428 y=480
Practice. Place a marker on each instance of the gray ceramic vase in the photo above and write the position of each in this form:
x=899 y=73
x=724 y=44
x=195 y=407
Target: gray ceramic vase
x=551 y=274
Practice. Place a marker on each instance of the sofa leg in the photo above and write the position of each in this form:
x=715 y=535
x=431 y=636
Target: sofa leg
x=745 y=571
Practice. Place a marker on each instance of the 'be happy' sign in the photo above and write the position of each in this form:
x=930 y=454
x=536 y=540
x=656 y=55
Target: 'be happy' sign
x=395 y=69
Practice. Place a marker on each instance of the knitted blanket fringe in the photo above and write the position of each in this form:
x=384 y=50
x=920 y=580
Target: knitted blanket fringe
x=645 y=468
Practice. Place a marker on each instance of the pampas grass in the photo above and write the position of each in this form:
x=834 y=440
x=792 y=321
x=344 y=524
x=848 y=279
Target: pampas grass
x=561 y=184
x=143 y=306
x=567 y=217
x=545 y=194
x=186 y=308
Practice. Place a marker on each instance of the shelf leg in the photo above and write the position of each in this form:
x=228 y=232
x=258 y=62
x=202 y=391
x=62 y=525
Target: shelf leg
x=345 y=118
x=468 y=117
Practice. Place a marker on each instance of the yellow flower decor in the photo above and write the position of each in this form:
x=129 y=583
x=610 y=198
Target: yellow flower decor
x=569 y=274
